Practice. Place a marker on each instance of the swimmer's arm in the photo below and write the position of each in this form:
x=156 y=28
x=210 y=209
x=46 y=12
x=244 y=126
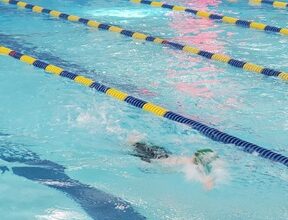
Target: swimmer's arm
x=173 y=160
x=208 y=183
x=206 y=180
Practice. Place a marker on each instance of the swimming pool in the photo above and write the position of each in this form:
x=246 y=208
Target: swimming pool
x=87 y=132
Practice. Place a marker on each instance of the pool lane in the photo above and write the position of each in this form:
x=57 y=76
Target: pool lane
x=207 y=131
x=248 y=66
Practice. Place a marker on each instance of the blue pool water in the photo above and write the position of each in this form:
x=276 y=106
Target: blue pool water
x=87 y=132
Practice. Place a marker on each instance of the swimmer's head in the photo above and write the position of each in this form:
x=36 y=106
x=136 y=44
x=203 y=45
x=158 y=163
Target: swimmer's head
x=205 y=157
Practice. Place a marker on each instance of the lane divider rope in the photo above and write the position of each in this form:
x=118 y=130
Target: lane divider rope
x=205 y=130
x=275 y=4
x=248 y=66
x=217 y=17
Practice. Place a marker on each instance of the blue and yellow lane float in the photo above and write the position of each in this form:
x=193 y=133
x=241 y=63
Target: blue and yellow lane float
x=275 y=4
x=157 y=110
x=248 y=66
x=217 y=17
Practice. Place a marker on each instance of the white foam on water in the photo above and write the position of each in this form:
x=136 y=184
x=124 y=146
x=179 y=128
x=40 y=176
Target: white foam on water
x=219 y=173
x=123 y=13
x=84 y=118
x=135 y=137
x=60 y=214
x=88 y=119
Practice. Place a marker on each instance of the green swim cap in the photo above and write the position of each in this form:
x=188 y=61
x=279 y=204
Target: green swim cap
x=205 y=157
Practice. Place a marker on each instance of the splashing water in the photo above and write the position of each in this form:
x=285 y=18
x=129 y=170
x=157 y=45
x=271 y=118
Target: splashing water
x=218 y=175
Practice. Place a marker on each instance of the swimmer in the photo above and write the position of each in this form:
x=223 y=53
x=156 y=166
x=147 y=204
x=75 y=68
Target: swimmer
x=200 y=162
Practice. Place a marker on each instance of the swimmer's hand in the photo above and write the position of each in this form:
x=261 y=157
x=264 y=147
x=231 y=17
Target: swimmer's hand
x=3 y=169
x=208 y=183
